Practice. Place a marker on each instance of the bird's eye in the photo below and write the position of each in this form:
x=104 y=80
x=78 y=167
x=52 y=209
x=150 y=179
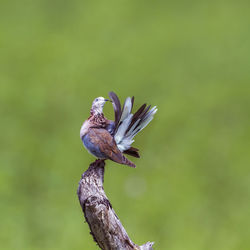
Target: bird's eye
x=97 y=99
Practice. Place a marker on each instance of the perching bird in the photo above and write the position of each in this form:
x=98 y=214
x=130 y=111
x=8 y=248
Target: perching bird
x=107 y=139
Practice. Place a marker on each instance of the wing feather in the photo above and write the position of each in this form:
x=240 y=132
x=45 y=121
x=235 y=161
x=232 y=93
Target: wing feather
x=107 y=146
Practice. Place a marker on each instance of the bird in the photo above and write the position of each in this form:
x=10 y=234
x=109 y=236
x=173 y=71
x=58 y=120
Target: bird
x=110 y=140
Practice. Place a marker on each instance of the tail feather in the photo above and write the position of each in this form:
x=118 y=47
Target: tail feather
x=126 y=110
x=137 y=115
x=147 y=119
x=122 y=129
x=117 y=108
x=127 y=162
x=124 y=136
x=143 y=114
x=127 y=125
x=132 y=152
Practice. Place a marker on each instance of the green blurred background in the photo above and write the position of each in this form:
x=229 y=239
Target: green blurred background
x=191 y=187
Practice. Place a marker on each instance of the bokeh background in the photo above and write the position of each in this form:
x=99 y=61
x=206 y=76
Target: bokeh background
x=191 y=187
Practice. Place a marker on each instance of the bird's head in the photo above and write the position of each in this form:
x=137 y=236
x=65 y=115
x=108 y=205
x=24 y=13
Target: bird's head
x=97 y=105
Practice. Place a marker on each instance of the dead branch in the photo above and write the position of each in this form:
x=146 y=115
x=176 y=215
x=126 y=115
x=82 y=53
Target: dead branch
x=104 y=224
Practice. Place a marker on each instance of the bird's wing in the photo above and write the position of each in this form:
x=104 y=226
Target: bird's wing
x=107 y=145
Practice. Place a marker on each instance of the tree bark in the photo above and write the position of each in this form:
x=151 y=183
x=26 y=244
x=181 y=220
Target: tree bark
x=104 y=224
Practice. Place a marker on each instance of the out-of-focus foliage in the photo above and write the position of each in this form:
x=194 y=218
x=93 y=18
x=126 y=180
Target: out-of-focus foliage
x=191 y=187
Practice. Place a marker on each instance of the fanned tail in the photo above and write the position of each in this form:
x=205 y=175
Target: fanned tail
x=128 y=125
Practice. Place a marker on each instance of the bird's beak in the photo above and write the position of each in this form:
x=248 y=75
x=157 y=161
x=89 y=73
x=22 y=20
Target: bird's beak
x=107 y=100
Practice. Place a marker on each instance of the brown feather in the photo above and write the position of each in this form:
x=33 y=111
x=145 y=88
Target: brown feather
x=117 y=108
x=135 y=116
x=107 y=145
x=144 y=112
x=134 y=149
x=142 y=116
x=132 y=101
x=133 y=152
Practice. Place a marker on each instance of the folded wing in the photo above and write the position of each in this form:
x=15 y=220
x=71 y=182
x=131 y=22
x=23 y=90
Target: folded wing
x=107 y=146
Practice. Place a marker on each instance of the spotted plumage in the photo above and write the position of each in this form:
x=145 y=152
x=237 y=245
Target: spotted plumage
x=107 y=139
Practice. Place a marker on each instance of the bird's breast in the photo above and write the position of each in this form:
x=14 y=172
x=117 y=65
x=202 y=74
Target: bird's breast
x=92 y=147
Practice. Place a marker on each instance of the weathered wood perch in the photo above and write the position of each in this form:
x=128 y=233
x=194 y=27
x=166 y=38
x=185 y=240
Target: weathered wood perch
x=104 y=224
